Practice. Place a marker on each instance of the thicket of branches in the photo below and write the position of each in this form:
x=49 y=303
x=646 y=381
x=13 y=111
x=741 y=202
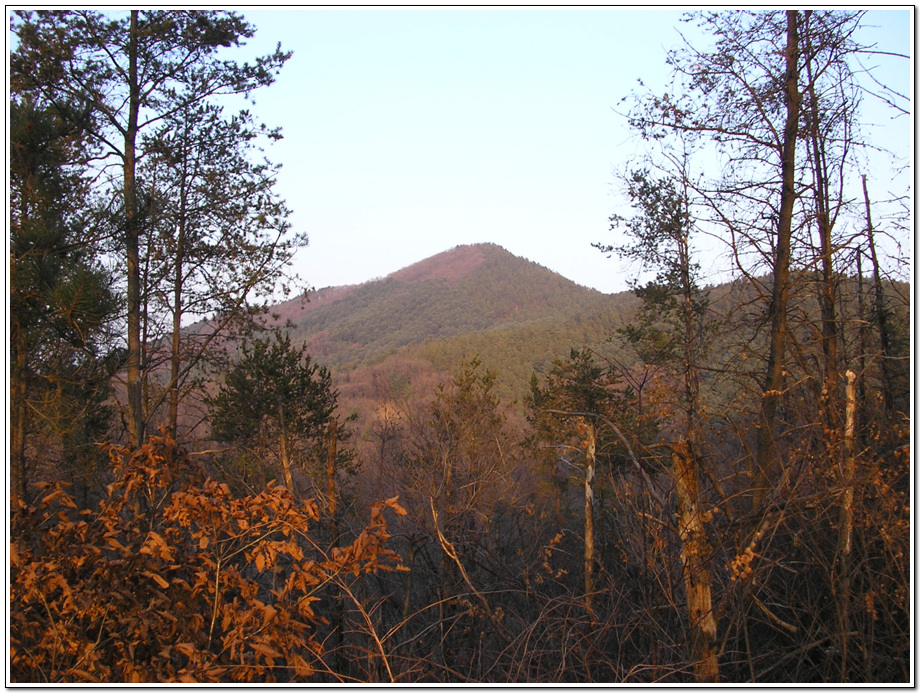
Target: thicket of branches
x=723 y=495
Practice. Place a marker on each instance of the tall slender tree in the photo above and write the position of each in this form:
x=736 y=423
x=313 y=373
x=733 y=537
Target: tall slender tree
x=744 y=99
x=569 y=412
x=131 y=71
x=217 y=241
x=880 y=311
x=669 y=334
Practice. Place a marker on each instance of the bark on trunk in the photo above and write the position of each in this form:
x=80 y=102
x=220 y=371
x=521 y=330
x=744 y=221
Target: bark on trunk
x=773 y=380
x=881 y=312
x=285 y=459
x=845 y=540
x=695 y=553
x=132 y=235
x=175 y=360
x=18 y=389
x=447 y=576
x=863 y=332
x=590 y=464
x=827 y=293
x=18 y=415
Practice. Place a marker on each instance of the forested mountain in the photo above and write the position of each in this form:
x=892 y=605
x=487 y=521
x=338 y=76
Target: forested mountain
x=469 y=289
x=474 y=300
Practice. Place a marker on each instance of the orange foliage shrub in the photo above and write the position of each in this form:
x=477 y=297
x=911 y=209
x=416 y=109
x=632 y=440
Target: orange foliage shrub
x=173 y=579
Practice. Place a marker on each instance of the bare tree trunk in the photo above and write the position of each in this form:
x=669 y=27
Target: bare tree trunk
x=590 y=464
x=863 y=322
x=175 y=357
x=845 y=540
x=19 y=410
x=285 y=459
x=773 y=381
x=827 y=293
x=881 y=312
x=446 y=586
x=695 y=553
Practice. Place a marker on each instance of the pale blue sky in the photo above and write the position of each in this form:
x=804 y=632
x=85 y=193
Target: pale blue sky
x=408 y=132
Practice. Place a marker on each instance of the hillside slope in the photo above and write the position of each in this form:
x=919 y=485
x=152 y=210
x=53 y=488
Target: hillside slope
x=466 y=290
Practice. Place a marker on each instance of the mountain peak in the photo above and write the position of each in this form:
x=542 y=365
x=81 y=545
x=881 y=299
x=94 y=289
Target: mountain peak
x=451 y=265
x=468 y=289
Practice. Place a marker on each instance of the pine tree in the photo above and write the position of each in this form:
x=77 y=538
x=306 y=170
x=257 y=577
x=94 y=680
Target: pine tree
x=61 y=303
x=123 y=74
x=274 y=399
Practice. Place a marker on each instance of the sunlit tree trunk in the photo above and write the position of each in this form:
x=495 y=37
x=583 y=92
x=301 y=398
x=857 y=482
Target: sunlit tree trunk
x=285 y=455
x=694 y=544
x=590 y=466
x=695 y=553
x=845 y=540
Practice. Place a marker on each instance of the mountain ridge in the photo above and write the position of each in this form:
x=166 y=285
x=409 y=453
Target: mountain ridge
x=451 y=265
x=403 y=334
x=467 y=289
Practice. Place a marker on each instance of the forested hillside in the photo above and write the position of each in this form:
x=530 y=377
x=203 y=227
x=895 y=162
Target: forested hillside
x=464 y=290
x=477 y=300
x=473 y=470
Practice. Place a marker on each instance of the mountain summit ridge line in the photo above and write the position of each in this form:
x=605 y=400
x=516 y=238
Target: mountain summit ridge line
x=469 y=288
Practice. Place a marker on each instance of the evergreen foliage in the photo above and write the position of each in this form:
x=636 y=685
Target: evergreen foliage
x=124 y=79
x=275 y=399
x=62 y=303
